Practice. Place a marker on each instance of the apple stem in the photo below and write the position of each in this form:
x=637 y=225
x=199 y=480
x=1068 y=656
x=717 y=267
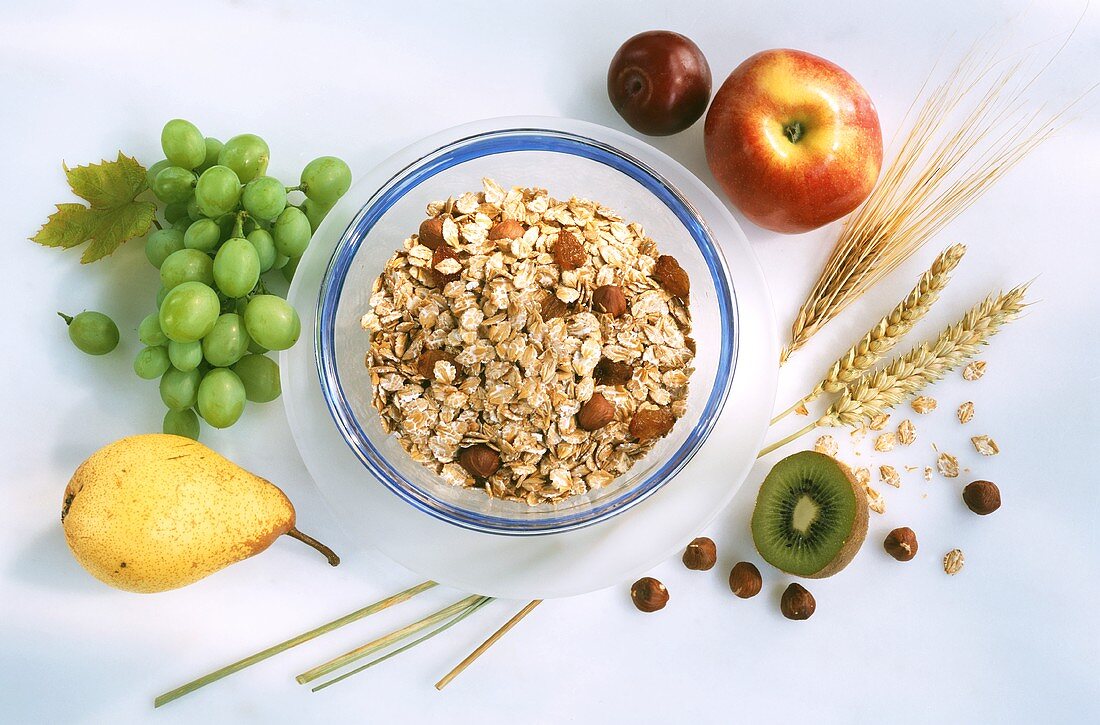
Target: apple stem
x=793 y=131
x=333 y=559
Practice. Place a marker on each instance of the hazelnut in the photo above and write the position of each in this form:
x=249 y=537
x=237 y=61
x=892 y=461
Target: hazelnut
x=982 y=497
x=596 y=413
x=650 y=423
x=610 y=300
x=506 y=229
x=442 y=253
x=568 y=252
x=745 y=580
x=431 y=232
x=672 y=276
x=700 y=554
x=648 y=594
x=425 y=364
x=797 y=603
x=901 y=544
x=479 y=460
x=611 y=372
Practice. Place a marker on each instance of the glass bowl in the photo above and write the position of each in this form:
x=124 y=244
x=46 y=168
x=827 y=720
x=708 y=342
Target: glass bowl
x=566 y=163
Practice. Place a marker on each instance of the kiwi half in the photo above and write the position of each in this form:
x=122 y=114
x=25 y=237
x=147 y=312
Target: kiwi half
x=810 y=517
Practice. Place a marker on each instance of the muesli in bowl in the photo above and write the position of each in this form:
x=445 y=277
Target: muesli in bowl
x=527 y=347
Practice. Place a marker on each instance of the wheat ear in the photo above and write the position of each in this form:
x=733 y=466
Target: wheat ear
x=888 y=332
x=875 y=393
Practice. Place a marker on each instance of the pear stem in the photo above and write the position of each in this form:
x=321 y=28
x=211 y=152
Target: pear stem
x=307 y=539
x=292 y=642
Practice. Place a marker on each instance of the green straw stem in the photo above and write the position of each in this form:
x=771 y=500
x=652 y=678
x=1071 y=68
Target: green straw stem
x=292 y=642
x=382 y=642
x=438 y=630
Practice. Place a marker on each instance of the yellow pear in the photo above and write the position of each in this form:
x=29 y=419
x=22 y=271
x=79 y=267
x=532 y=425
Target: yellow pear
x=156 y=512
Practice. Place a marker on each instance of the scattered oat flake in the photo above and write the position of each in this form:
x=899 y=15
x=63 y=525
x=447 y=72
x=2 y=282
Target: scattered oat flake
x=948 y=465
x=910 y=469
x=875 y=501
x=826 y=444
x=862 y=475
x=985 y=445
x=879 y=421
x=801 y=409
x=885 y=442
x=953 y=562
x=923 y=404
x=928 y=473
x=858 y=434
x=907 y=432
x=890 y=476
x=974 y=370
x=965 y=412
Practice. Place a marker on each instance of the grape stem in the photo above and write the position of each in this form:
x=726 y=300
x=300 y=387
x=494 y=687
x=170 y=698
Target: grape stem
x=299 y=187
x=238 y=225
x=157 y=225
x=67 y=318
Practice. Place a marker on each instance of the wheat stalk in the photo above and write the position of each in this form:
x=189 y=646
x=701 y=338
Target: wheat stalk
x=934 y=176
x=888 y=332
x=875 y=393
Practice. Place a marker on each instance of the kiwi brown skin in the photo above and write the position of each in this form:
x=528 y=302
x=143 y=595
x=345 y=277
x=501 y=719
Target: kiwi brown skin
x=855 y=539
x=859 y=529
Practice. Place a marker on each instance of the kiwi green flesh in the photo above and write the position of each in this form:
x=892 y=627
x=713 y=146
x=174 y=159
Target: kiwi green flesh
x=807 y=515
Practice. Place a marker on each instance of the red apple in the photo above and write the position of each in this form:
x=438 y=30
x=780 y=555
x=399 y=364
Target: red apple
x=794 y=140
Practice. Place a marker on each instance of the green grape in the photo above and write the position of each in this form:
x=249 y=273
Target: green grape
x=162 y=243
x=280 y=261
x=326 y=179
x=227 y=342
x=213 y=148
x=92 y=332
x=182 y=225
x=186 y=265
x=193 y=211
x=151 y=362
x=174 y=184
x=290 y=268
x=181 y=423
x=178 y=389
x=185 y=355
x=291 y=232
x=260 y=375
x=175 y=212
x=262 y=240
x=256 y=348
x=152 y=171
x=217 y=191
x=315 y=212
x=272 y=322
x=247 y=155
x=182 y=143
x=149 y=331
x=162 y=292
x=264 y=198
x=203 y=235
x=237 y=267
x=221 y=397
x=189 y=312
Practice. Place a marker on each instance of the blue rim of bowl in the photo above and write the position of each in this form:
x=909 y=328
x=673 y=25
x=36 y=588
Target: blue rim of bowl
x=458 y=152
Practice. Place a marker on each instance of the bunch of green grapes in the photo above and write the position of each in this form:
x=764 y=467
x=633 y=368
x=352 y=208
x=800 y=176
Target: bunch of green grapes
x=229 y=224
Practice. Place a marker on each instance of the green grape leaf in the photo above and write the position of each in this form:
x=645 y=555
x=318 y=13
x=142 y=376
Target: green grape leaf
x=113 y=216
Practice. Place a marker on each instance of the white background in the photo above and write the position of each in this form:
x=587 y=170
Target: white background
x=1011 y=638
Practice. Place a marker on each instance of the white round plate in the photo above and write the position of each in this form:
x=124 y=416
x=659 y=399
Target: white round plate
x=555 y=565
